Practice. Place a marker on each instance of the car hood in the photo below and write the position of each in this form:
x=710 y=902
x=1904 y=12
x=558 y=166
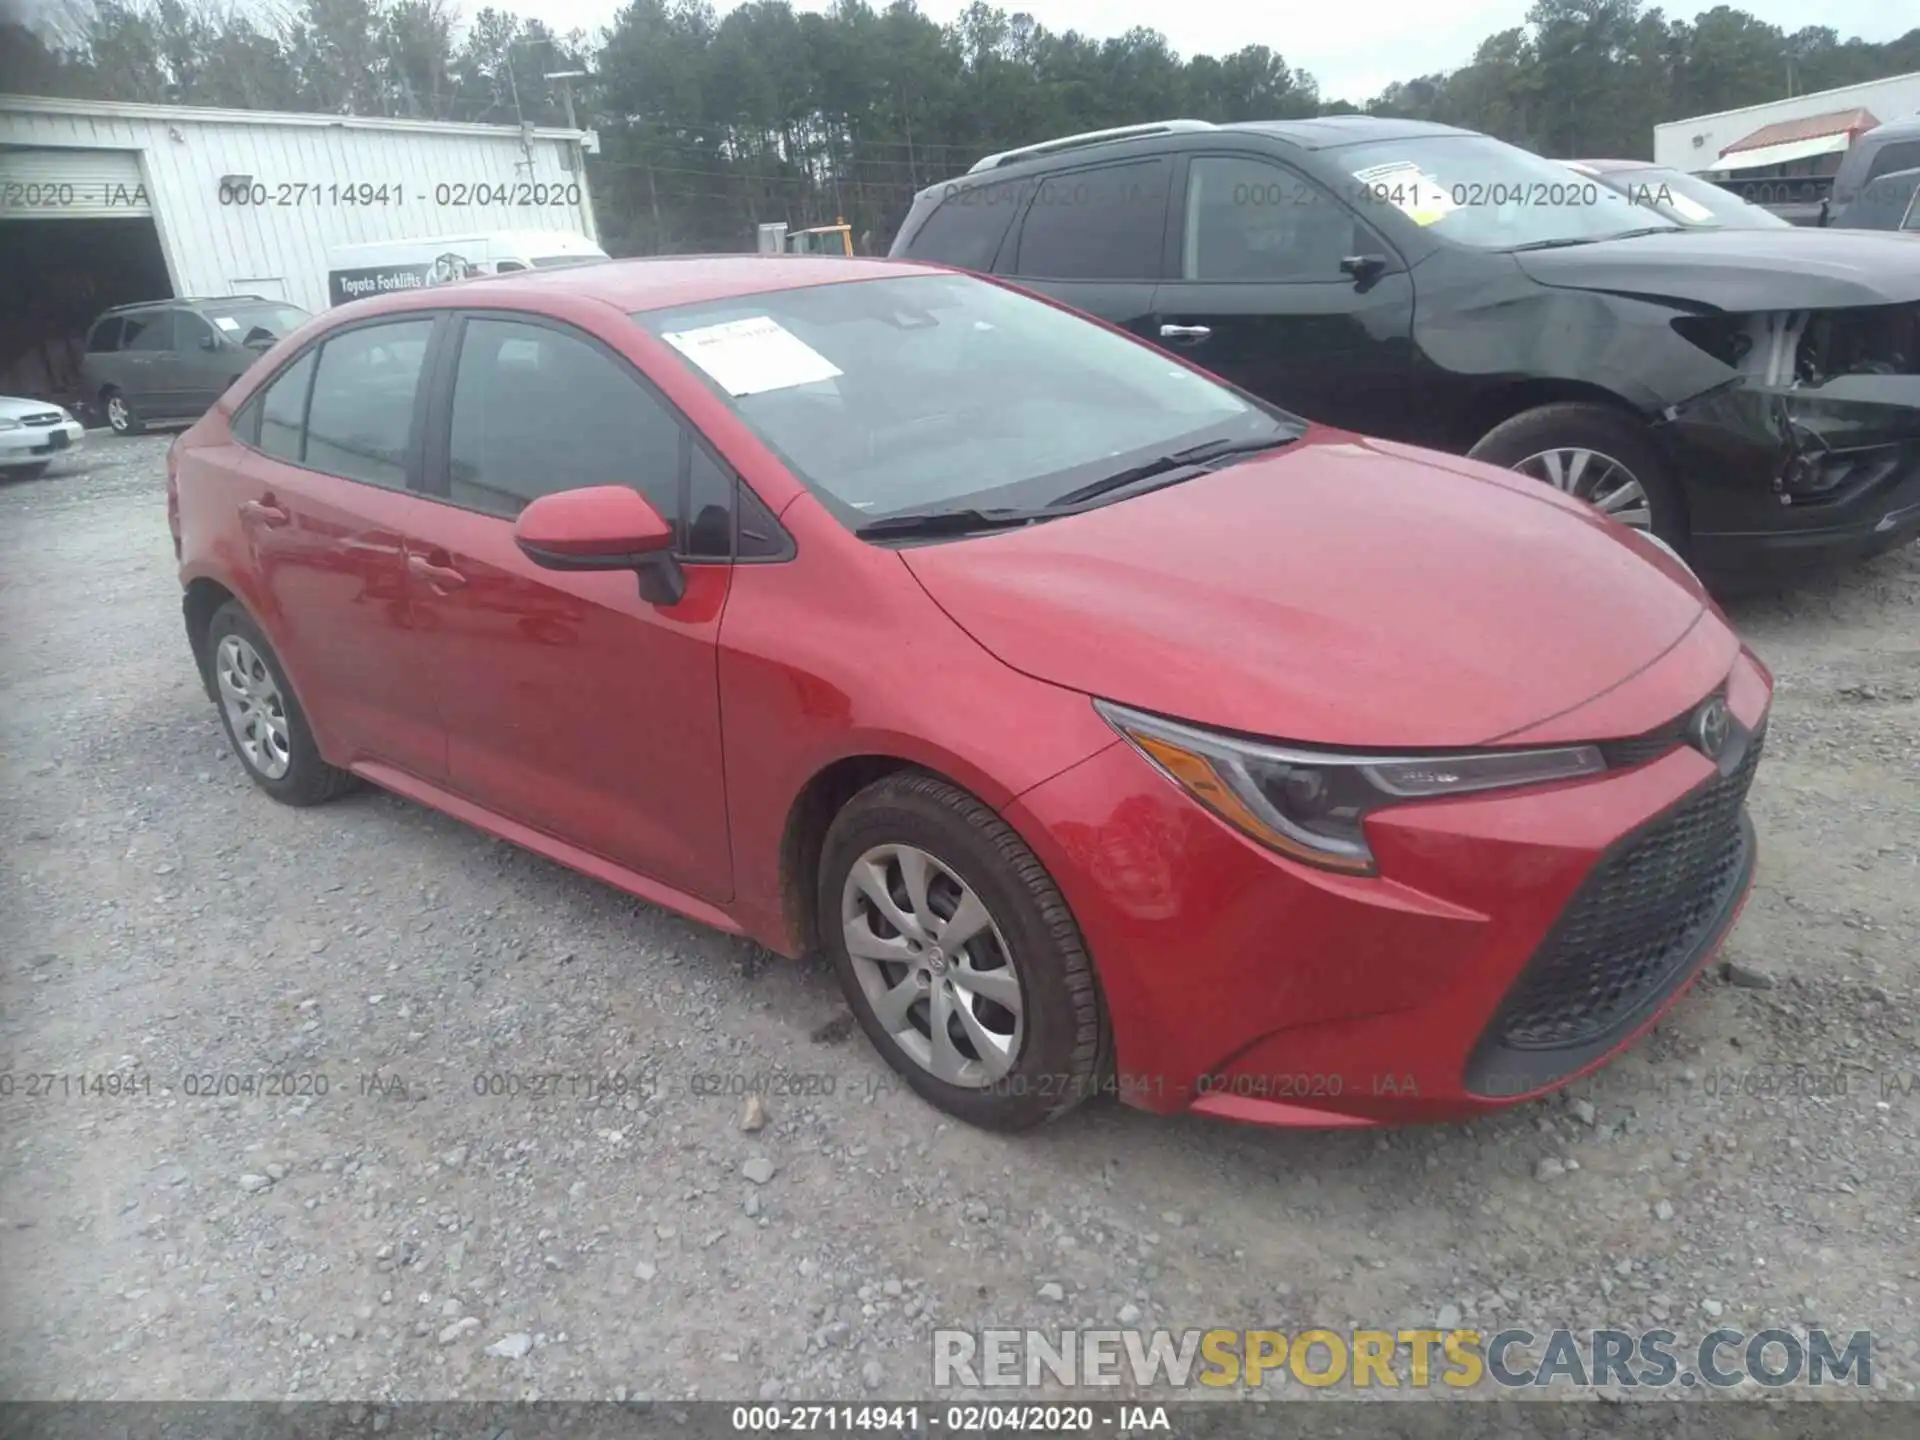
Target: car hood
x=12 y=407
x=1342 y=591
x=1740 y=270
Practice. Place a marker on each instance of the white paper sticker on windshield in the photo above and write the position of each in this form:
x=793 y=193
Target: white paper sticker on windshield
x=226 y=322
x=748 y=357
x=1409 y=189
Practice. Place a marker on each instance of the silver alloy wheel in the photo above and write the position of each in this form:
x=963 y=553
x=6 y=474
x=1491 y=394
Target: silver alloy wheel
x=118 y=415
x=1600 y=480
x=933 y=965
x=255 y=708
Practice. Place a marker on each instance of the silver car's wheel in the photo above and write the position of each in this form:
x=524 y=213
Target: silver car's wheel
x=256 y=710
x=1599 y=479
x=933 y=964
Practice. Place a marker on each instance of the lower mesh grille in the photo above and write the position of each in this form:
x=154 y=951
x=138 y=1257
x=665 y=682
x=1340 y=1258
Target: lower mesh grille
x=1639 y=917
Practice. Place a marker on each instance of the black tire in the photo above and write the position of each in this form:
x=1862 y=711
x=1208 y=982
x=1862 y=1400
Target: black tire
x=309 y=780
x=26 y=472
x=1608 y=432
x=127 y=421
x=1063 y=1053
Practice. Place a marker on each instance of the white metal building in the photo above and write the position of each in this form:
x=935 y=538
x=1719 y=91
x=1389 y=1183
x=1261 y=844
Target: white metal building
x=1725 y=142
x=104 y=203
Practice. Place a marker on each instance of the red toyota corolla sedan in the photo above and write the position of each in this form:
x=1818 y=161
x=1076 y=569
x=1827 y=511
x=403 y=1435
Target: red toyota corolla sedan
x=1111 y=731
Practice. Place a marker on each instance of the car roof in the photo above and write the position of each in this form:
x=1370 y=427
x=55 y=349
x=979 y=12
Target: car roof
x=1331 y=131
x=656 y=282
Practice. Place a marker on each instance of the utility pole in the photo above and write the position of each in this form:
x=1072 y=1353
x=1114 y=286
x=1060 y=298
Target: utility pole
x=566 y=79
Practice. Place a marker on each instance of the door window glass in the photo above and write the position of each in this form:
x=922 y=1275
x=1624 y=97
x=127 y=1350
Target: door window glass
x=1104 y=224
x=967 y=226
x=105 y=337
x=150 y=331
x=190 y=331
x=360 y=421
x=537 y=411
x=1248 y=220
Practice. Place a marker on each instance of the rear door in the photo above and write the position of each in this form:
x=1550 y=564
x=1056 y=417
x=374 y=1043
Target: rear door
x=1095 y=238
x=145 y=341
x=1259 y=296
x=327 y=451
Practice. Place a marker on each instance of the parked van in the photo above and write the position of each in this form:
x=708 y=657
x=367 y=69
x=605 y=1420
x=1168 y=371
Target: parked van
x=356 y=271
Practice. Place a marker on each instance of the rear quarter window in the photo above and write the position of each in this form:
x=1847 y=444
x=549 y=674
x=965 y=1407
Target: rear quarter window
x=105 y=336
x=967 y=226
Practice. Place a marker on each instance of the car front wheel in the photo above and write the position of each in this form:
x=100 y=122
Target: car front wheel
x=958 y=955
x=262 y=717
x=1594 y=454
x=121 y=415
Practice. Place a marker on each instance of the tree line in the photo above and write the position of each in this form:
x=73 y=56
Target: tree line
x=711 y=124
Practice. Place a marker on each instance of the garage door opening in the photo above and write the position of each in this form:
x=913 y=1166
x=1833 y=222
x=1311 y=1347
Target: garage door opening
x=56 y=276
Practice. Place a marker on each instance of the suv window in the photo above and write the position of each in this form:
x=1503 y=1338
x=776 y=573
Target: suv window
x=1247 y=219
x=282 y=411
x=360 y=420
x=967 y=226
x=189 y=330
x=105 y=337
x=537 y=410
x=1900 y=155
x=148 y=330
x=1104 y=224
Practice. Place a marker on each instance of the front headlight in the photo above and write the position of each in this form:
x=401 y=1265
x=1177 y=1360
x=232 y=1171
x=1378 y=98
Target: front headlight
x=6 y=424
x=1312 y=804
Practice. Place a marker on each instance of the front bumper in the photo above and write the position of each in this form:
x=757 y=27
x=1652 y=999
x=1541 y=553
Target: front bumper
x=1510 y=942
x=36 y=444
x=1750 y=523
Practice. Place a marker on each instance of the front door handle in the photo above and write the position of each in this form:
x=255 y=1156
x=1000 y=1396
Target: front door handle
x=262 y=513
x=441 y=577
x=1185 y=332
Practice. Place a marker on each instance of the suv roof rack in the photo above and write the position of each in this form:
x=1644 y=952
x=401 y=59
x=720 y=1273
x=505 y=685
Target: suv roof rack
x=1089 y=137
x=182 y=300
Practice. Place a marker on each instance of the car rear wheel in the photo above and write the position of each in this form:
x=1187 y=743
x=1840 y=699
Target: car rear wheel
x=958 y=955
x=121 y=415
x=1593 y=454
x=263 y=719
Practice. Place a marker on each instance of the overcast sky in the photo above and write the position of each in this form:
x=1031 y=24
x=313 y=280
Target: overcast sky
x=1353 y=50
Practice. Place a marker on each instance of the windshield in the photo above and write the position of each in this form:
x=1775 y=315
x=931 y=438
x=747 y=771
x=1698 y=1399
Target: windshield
x=944 y=391
x=239 y=321
x=1693 y=202
x=1477 y=191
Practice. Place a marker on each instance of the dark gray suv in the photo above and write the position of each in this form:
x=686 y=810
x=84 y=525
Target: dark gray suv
x=169 y=360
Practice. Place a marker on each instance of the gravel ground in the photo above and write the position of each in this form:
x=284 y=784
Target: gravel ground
x=401 y=1236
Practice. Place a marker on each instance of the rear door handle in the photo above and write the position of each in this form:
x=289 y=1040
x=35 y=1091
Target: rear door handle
x=441 y=577
x=261 y=513
x=1185 y=332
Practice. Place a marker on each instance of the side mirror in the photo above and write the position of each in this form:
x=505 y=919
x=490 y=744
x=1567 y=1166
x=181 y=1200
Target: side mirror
x=1363 y=267
x=603 y=527
x=209 y=342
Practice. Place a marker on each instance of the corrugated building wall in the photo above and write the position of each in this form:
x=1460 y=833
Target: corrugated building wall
x=311 y=182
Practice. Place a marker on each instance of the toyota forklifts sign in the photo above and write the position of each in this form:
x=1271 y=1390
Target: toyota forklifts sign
x=345 y=285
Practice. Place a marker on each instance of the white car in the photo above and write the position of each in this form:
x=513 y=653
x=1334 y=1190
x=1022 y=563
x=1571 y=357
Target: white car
x=32 y=434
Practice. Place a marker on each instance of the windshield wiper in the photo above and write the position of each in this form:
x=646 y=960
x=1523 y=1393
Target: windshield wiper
x=949 y=522
x=1595 y=239
x=1193 y=457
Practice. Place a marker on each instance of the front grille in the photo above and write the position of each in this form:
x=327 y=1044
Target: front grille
x=41 y=417
x=1639 y=919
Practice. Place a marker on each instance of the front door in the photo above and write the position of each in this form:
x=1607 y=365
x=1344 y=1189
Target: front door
x=573 y=705
x=1095 y=239
x=1261 y=298
x=323 y=501
x=145 y=380
x=203 y=362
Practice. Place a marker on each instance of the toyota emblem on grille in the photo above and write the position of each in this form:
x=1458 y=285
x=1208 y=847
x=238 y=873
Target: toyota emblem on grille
x=1710 y=728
